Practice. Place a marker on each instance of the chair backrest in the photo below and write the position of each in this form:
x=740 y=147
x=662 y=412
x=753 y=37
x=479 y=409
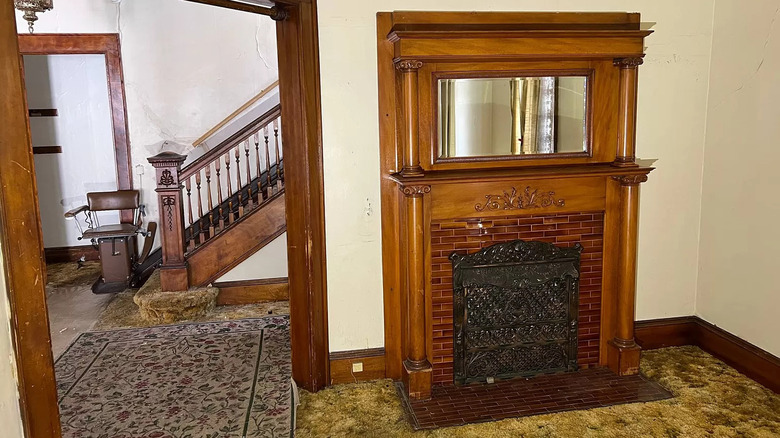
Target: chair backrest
x=116 y=200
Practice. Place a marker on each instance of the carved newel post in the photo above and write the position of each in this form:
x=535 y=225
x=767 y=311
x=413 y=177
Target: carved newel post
x=173 y=274
x=626 y=149
x=418 y=372
x=623 y=352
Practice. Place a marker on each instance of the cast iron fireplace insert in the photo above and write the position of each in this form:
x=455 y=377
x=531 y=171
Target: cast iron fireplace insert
x=515 y=311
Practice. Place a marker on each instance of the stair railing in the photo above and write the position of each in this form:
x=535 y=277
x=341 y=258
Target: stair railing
x=199 y=201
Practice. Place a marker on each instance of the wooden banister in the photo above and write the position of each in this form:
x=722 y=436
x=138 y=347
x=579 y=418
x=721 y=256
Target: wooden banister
x=234 y=114
x=243 y=134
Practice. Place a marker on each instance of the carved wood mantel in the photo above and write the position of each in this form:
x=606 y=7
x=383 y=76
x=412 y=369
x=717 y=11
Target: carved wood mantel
x=415 y=49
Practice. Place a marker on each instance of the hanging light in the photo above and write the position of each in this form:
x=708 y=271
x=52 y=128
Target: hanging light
x=31 y=7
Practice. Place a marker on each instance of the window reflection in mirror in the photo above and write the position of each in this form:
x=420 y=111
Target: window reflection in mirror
x=512 y=116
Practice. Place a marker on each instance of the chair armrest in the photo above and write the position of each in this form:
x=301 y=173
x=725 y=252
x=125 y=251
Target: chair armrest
x=72 y=213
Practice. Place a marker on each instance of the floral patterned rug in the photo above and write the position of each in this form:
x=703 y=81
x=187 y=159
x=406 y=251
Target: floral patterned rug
x=210 y=380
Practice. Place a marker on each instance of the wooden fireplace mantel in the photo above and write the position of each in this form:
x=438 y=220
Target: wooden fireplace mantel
x=420 y=189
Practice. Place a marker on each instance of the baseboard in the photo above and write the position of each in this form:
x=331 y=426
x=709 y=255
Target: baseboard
x=252 y=291
x=341 y=362
x=752 y=361
x=65 y=254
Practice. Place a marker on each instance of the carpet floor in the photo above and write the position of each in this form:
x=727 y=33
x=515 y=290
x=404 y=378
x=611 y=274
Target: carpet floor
x=711 y=399
x=214 y=379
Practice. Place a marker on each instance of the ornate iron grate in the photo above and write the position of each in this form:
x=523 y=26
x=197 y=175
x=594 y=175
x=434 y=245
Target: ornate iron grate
x=515 y=307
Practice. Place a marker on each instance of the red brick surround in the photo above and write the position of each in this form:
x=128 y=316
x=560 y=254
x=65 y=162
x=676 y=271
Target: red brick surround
x=463 y=235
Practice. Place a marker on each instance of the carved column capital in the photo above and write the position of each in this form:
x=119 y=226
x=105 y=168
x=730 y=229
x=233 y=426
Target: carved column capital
x=415 y=190
x=408 y=65
x=630 y=180
x=627 y=62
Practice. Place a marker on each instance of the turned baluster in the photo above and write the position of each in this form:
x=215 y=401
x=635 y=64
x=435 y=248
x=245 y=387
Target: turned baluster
x=219 y=194
x=239 y=186
x=230 y=189
x=211 y=208
x=248 y=175
x=201 y=231
x=270 y=188
x=278 y=158
x=191 y=239
x=257 y=164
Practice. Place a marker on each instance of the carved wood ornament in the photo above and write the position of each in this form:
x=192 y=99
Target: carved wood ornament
x=418 y=49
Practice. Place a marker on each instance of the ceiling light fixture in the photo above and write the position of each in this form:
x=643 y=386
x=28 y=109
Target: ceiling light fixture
x=31 y=7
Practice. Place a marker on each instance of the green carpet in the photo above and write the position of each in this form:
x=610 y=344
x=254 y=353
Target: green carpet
x=711 y=400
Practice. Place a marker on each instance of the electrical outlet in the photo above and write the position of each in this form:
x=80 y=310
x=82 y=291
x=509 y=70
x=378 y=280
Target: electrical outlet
x=357 y=367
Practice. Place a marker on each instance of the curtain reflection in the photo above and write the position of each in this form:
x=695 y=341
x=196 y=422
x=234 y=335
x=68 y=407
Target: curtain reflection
x=511 y=116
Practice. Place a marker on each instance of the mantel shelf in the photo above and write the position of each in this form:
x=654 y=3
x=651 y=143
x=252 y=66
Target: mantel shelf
x=471 y=175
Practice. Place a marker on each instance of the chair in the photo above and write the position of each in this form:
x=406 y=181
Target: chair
x=116 y=243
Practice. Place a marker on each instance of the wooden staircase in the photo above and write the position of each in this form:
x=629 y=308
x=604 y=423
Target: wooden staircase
x=222 y=207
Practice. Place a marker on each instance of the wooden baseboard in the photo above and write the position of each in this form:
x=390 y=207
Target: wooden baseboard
x=341 y=362
x=252 y=291
x=65 y=254
x=752 y=361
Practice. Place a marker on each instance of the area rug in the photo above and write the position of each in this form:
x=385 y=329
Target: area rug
x=214 y=379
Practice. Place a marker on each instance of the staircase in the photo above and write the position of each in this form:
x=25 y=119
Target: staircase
x=222 y=207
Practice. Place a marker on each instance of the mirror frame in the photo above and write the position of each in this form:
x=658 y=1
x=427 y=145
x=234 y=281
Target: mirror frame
x=602 y=128
x=587 y=138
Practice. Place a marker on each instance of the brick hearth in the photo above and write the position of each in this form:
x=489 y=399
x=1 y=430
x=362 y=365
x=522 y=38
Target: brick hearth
x=463 y=235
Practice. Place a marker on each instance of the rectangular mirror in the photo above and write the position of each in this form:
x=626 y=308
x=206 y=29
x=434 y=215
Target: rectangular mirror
x=512 y=116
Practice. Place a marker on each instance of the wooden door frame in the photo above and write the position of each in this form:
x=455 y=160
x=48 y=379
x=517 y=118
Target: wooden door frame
x=22 y=243
x=106 y=44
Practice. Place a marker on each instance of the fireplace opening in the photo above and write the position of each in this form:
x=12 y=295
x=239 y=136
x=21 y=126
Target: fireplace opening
x=515 y=311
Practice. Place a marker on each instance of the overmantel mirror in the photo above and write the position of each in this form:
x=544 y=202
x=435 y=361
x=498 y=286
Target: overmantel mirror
x=512 y=116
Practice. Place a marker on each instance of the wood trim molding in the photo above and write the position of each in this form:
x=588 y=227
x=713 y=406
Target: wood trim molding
x=745 y=357
x=22 y=245
x=252 y=291
x=106 y=44
x=299 y=91
x=373 y=360
x=65 y=254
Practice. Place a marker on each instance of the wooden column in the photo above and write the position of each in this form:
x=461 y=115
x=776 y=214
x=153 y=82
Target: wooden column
x=173 y=273
x=410 y=111
x=418 y=372
x=626 y=149
x=623 y=352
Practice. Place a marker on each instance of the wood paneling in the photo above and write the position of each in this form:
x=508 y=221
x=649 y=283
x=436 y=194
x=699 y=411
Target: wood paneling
x=745 y=357
x=64 y=254
x=109 y=46
x=252 y=291
x=476 y=199
x=22 y=246
x=341 y=365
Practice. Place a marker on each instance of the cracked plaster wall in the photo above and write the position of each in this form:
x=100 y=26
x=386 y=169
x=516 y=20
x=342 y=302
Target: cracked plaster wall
x=738 y=259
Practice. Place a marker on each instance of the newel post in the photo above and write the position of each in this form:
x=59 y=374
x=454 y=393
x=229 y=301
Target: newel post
x=173 y=274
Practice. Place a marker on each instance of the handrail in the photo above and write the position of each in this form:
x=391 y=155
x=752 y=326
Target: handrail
x=231 y=141
x=235 y=113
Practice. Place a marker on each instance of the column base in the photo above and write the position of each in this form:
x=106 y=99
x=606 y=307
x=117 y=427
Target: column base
x=624 y=162
x=418 y=378
x=623 y=356
x=174 y=278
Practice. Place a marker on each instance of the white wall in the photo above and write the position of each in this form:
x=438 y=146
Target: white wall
x=186 y=67
x=269 y=262
x=76 y=86
x=672 y=106
x=738 y=259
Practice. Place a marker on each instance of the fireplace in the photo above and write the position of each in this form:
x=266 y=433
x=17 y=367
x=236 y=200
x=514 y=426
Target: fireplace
x=515 y=311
